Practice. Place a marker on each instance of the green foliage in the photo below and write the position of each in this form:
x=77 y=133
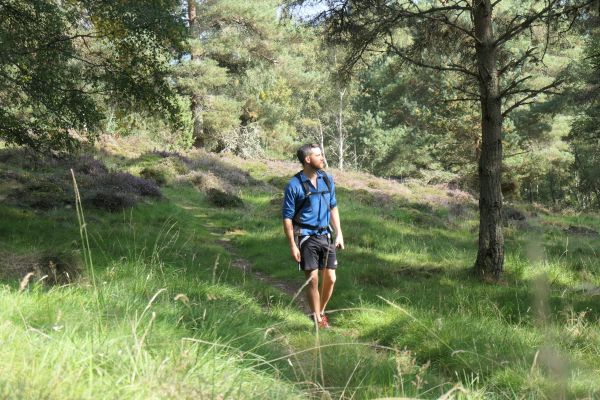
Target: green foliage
x=62 y=62
x=584 y=138
x=249 y=78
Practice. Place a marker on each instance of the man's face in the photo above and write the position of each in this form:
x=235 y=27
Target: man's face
x=316 y=159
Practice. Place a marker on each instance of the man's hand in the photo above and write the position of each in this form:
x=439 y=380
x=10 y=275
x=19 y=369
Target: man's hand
x=295 y=252
x=339 y=241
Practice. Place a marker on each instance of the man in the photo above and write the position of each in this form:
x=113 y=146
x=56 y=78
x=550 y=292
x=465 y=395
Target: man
x=309 y=207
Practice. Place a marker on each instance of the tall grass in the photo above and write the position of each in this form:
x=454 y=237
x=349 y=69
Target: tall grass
x=176 y=319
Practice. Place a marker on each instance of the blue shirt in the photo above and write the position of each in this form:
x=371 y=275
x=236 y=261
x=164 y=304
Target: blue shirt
x=316 y=212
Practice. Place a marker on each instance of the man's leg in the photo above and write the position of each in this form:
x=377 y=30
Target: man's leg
x=312 y=293
x=327 y=287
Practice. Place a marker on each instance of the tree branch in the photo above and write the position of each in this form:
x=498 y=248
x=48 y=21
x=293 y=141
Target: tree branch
x=405 y=57
x=515 y=63
x=476 y=99
x=514 y=30
x=513 y=85
x=545 y=12
x=532 y=93
x=453 y=24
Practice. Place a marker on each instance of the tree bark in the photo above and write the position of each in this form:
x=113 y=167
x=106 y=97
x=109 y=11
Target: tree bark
x=490 y=255
x=321 y=137
x=191 y=13
x=195 y=101
x=341 y=136
x=196 y=107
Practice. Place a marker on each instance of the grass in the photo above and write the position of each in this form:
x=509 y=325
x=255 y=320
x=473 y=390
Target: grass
x=177 y=319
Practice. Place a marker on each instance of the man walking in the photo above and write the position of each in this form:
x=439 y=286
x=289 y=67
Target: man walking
x=309 y=207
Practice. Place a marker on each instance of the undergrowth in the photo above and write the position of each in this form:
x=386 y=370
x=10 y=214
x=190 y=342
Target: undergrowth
x=162 y=311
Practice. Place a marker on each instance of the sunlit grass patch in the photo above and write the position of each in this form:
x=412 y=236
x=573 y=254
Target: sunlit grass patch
x=179 y=317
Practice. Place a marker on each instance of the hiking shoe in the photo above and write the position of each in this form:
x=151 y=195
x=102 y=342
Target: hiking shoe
x=323 y=324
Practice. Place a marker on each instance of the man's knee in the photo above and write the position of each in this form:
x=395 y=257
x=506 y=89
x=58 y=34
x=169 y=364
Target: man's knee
x=313 y=276
x=329 y=276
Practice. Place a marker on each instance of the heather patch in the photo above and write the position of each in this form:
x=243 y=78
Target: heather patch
x=233 y=175
x=44 y=193
x=206 y=180
x=116 y=191
x=50 y=268
x=51 y=187
x=165 y=171
x=223 y=199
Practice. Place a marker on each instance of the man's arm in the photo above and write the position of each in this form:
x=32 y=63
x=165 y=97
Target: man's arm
x=288 y=228
x=335 y=221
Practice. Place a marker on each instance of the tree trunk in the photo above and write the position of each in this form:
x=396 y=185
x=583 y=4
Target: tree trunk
x=341 y=137
x=195 y=101
x=198 y=120
x=321 y=137
x=490 y=255
x=191 y=13
x=552 y=187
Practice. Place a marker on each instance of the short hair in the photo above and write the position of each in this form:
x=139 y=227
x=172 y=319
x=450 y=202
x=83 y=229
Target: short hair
x=305 y=150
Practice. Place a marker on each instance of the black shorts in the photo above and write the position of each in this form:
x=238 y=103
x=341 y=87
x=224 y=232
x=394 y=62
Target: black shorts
x=316 y=252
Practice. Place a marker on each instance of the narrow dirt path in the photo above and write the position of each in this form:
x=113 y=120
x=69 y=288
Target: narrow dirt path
x=287 y=287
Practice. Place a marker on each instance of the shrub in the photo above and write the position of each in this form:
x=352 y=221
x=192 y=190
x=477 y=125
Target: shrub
x=172 y=154
x=44 y=194
x=53 y=268
x=157 y=175
x=223 y=199
x=99 y=187
x=111 y=201
x=165 y=171
x=88 y=165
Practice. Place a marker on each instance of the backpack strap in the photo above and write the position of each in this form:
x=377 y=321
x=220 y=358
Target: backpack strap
x=327 y=182
x=307 y=193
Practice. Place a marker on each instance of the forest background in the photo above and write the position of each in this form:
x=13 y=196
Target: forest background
x=246 y=82
x=254 y=78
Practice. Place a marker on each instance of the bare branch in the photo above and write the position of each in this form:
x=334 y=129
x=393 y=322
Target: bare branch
x=475 y=99
x=514 y=30
x=411 y=60
x=515 y=63
x=434 y=10
x=467 y=92
x=453 y=24
x=531 y=94
x=517 y=154
x=513 y=85
x=546 y=12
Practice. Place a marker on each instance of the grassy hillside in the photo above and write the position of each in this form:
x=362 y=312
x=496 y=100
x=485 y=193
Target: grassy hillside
x=187 y=290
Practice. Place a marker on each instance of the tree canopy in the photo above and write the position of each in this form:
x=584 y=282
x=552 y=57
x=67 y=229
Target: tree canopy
x=496 y=97
x=62 y=63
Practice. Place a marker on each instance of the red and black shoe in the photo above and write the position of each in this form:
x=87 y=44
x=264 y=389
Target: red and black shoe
x=324 y=324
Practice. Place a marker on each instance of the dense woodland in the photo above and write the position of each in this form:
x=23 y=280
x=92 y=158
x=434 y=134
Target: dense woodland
x=499 y=98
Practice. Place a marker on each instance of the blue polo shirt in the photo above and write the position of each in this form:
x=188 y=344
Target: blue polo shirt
x=316 y=212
